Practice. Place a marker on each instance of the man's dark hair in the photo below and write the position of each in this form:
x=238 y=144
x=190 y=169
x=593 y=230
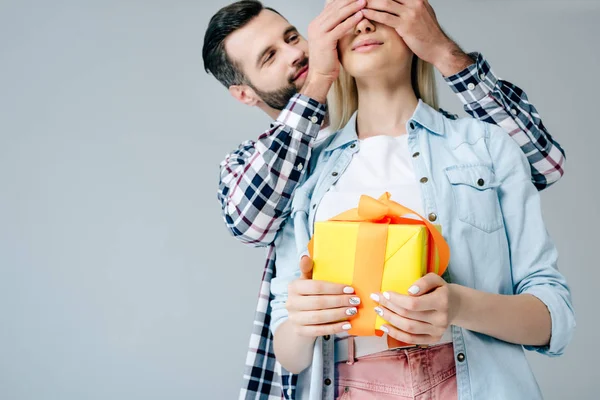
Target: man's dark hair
x=226 y=21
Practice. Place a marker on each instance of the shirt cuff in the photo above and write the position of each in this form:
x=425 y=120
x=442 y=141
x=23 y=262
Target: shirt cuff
x=563 y=321
x=303 y=114
x=474 y=82
x=278 y=317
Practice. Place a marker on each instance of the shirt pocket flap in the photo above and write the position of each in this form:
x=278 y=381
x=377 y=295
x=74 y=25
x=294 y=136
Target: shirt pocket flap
x=480 y=177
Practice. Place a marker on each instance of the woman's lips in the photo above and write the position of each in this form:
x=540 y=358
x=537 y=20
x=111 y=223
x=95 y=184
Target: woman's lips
x=366 y=45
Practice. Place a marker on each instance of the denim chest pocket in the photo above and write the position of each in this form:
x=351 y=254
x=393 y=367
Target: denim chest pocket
x=475 y=196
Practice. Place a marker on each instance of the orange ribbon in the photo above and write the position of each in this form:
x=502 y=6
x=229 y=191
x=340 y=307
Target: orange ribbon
x=374 y=217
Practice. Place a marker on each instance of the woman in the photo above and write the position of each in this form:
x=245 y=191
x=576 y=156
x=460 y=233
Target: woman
x=471 y=178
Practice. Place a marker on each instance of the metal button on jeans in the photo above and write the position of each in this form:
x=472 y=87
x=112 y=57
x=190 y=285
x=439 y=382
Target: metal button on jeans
x=432 y=217
x=481 y=182
x=424 y=180
x=460 y=357
x=327 y=382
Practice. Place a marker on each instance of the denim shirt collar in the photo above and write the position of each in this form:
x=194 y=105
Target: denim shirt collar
x=424 y=116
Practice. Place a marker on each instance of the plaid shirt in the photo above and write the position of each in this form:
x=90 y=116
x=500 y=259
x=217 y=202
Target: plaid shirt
x=259 y=178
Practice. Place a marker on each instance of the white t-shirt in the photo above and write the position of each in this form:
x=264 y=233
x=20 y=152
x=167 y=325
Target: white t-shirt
x=382 y=164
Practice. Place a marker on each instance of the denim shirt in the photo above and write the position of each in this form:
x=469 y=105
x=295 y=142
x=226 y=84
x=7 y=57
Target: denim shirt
x=476 y=183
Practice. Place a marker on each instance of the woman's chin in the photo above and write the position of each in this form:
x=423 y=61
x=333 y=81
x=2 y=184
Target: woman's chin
x=366 y=67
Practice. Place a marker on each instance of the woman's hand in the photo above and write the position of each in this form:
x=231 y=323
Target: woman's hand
x=423 y=316
x=318 y=308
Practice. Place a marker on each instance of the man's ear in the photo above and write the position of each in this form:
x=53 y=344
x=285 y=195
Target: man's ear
x=244 y=94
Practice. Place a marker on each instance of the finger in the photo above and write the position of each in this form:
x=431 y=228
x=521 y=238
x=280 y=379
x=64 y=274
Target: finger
x=410 y=303
x=322 y=330
x=388 y=6
x=382 y=17
x=404 y=324
x=407 y=337
x=306 y=287
x=306 y=303
x=319 y=317
x=339 y=13
x=306 y=266
x=430 y=316
x=346 y=26
x=426 y=284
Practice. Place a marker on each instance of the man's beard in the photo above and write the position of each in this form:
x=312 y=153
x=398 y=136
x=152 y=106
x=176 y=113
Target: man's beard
x=279 y=98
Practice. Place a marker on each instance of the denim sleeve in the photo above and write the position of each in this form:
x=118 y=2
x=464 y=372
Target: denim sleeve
x=288 y=269
x=533 y=254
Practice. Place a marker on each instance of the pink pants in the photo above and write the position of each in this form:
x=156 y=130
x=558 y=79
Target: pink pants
x=420 y=374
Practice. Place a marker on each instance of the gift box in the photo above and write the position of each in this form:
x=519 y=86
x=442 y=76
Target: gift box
x=376 y=248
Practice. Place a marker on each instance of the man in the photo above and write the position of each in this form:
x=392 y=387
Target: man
x=264 y=62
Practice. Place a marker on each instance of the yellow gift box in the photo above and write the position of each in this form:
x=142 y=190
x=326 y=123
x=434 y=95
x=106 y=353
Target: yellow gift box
x=375 y=248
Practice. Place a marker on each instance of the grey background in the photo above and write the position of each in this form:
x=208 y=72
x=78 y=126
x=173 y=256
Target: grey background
x=118 y=279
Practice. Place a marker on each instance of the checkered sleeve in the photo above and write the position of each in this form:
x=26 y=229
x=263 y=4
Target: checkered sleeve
x=259 y=178
x=499 y=102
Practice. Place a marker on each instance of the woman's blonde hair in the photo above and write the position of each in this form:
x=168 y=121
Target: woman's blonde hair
x=343 y=96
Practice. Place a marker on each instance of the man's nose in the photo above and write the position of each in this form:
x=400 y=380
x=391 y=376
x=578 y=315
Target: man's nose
x=295 y=55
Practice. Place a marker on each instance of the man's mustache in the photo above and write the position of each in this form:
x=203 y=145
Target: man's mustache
x=301 y=64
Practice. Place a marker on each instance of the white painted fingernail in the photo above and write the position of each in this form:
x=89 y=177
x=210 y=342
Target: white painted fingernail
x=351 y=311
x=414 y=289
x=354 y=301
x=348 y=290
x=387 y=295
x=375 y=297
x=385 y=329
x=346 y=327
x=379 y=311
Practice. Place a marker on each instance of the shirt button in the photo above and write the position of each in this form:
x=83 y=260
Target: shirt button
x=471 y=86
x=481 y=182
x=353 y=145
x=300 y=167
x=417 y=154
x=424 y=180
x=482 y=76
x=334 y=174
x=412 y=125
x=314 y=206
x=289 y=392
x=314 y=119
x=461 y=357
x=514 y=111
x=432 y=217
x=326 y=337
x=327 y=382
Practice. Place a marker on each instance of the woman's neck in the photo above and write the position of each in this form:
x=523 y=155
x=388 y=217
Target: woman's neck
x=384 y=107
